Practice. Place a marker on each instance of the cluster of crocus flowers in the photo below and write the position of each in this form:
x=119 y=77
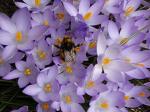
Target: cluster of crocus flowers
x=67 y=50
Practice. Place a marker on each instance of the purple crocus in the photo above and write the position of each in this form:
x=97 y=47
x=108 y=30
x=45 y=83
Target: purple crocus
x=47 y=87
x=69 y=100
x=17 y=31
x=26 y=72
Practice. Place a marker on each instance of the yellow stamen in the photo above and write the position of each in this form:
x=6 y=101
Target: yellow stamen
x=141 y=94
x=41 y=54
x=60 y=16
x=46 y=23
x=69 y=69
x=37 y=3
x=104 y=105
x=126 y=98
x=140 y=64
x=18 y=36
x=92 y=45
x=68 y=99
x=90 y=84
x=87 y=16
x=1 y=61
x=45 y=106
x=27 y=72
x=47 y=88
x=129 y=11
x=127 y=60
x=106 y=61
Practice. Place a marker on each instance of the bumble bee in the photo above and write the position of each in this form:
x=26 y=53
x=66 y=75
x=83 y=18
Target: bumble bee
x=67 y=49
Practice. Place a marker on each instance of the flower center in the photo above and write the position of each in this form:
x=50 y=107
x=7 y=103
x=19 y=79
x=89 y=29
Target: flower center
x=27 y=72
x=126 y=98
x=140 y=64
x=19 y=37
x=77 y=49
x=60 y=16
x=106 y=61
x=129 y=10
x=87 y=16
x=90 y=84
x=92 y=45
x=104 y=105
x=1 y=61
x=124 y=41
x=45 y=106
x=58 y=41
x=37 y=3
x=141 y=94
x=41 y=54
x=46 y=23
x=69 y=69
x=68 y=99
x=47 y=88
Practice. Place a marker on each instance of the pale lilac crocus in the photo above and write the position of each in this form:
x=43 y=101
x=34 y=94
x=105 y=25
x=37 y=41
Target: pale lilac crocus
x=17 y=31
x=47 y=87
x=26 y=72
x=107 y=102
x=89 y=13
x=109 y=61
x=42 y=54
x=69 y=100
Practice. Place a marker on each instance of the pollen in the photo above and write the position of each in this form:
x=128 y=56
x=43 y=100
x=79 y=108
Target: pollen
x=58 y=41
x=69 y=69
x=1 y=61
x=90 y=84
x=41 y=54
x=46 y=23
x=68 y=99
x=104 y=105
x=47 y=87
x=18 y=36
x=141 y=94
x=37 y=3
x=87 y=16
x=27 y=72
x=106 y=61
x=129 y=10
x=45 y=106
x=126 y=98
x=60 y=16
x=77 y=49
x=92 y=45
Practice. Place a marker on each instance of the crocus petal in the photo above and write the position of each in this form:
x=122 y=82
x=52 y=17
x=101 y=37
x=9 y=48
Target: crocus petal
x=101 y=44
x=84 y=6
x=132 y=103
x=37 y=32
x=113 y=30
x=44 y=96
x=9 y=52
x=22 y=82
x=70 y=9
x=32 y=90
x=6 y=38
x=135 y=4
x=53 y=72
x=144 y=101
x=20 y=65
x=12 y=75
x=137 y=73
x=76 y=106
x=22 y=5
x=22 y=19
x=114 y=10
x=97 y=70
x=6 y=24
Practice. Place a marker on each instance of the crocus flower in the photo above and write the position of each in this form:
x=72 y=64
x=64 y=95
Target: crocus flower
x=69 y=99
x=47 y=87
x=26 y=72
x=107 y=102
x=42 y=54
x=17 y=30
x=34 y=5
x=89 y=13
x=90 y=86
x=109 y=61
